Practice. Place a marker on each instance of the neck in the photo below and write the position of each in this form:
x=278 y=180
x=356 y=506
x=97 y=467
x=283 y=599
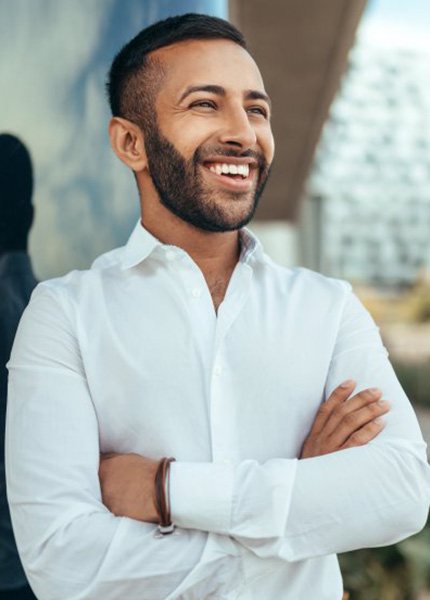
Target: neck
x=215 y=253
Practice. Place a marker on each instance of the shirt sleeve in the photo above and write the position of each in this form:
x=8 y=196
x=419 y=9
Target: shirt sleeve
x=293 y=509
x=71 y=546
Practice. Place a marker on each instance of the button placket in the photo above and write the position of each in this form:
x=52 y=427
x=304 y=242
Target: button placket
x=223 y=416
x=222 y=413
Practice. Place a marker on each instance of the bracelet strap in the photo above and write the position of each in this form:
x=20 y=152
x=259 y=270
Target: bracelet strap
x=162 y=497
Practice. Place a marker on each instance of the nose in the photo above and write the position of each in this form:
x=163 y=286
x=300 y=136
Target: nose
x=237 y=129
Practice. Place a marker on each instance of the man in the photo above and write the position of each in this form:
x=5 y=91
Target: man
x=16 y=284
x=191 y=343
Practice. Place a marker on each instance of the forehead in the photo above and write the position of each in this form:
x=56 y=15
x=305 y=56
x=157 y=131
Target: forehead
x=217 y=62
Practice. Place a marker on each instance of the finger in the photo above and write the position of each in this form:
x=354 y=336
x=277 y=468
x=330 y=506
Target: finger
x=360 y=400
x=355 y=421
x=365 y=434
x=339 y=395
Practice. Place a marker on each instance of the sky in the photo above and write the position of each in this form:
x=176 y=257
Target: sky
x=397 y=23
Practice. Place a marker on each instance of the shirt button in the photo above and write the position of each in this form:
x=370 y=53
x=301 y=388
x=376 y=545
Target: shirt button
x=226 y=461
x=196 y=293
x=217 y=370
x=170 y=255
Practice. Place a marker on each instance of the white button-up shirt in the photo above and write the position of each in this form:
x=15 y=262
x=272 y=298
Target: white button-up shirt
x=130 y=356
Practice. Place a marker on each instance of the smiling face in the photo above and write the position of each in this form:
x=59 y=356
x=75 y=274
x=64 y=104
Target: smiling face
x=209 y=146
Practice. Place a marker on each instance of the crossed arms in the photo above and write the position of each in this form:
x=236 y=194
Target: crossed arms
x=127 y=480
x=364 y=495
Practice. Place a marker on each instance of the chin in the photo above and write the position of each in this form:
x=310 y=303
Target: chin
x=238 y=221
x=238 y=210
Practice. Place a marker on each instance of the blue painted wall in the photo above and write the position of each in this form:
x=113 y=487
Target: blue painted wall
x=54 y=57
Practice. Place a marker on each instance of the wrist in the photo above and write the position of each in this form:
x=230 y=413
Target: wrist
x=161 y=496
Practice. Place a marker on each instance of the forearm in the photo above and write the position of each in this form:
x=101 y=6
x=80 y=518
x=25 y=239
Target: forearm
x=291 y=509
x=363 y=497
x=70 y=544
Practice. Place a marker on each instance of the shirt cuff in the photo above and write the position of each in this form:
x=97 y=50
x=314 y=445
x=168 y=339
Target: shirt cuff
x=201 y=495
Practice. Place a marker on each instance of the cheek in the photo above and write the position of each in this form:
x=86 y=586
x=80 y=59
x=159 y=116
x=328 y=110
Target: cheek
x=268 y=145
x=187 y=137
x=265 y=140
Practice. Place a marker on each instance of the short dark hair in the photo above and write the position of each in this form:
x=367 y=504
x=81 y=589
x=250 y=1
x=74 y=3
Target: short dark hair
x=132 y=62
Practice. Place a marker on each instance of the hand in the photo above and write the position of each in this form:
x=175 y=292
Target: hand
x=127 y=485
x=345 y=423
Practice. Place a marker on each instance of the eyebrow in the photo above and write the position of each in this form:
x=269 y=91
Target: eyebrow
x=256 y=95
x=220 y=91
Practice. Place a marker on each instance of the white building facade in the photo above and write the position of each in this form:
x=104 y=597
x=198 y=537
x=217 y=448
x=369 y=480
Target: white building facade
x=367 y=209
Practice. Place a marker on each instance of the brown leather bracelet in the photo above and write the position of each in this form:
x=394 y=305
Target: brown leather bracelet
x=161 y=498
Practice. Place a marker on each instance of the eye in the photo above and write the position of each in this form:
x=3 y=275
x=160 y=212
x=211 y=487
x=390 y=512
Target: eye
x=258 y=110
x=207 y=104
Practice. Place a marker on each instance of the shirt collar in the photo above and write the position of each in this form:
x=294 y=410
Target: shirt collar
x=251 y=247
x=141 y=244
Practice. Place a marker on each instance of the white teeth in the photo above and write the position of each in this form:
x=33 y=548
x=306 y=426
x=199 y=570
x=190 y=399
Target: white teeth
x=243 y=170
x=225 y=169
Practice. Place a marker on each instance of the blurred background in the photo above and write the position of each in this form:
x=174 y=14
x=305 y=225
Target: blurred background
x=350 y=190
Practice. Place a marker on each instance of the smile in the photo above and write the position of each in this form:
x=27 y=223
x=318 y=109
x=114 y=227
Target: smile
x=229 y=169
x=232 y=176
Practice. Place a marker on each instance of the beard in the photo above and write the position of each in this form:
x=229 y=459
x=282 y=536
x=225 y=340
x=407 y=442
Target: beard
x=183 y=191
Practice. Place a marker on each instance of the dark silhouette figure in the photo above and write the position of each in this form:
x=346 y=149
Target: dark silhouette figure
x=16 y=284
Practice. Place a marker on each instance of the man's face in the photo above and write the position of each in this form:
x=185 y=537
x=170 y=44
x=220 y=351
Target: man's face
x=210 y=144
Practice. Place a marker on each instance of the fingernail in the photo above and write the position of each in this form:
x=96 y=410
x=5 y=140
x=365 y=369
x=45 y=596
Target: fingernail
x=379 y=421
x=374 y=391
x=348 y=383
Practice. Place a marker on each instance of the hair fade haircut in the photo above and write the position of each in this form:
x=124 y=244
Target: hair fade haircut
x=134 y=76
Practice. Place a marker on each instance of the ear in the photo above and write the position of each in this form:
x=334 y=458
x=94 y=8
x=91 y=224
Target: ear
x=127 y=142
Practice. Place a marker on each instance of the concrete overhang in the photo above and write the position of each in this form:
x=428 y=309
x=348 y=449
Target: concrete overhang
x=301 y=47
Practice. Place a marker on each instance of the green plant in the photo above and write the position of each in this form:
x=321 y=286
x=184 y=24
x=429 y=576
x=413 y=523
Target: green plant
x=415 y=380
x=398 y=572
